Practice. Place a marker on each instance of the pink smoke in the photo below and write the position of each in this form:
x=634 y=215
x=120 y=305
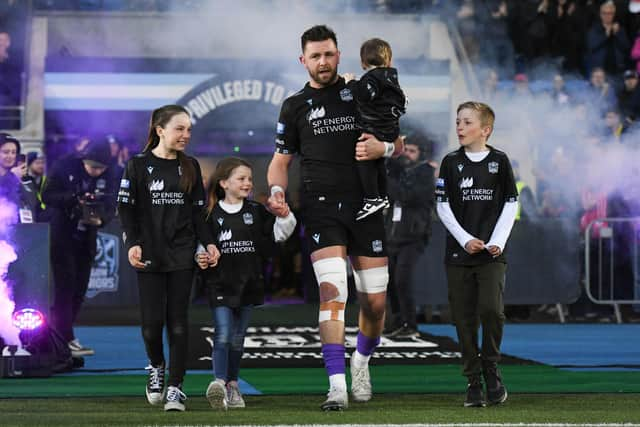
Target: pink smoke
x=8 y=218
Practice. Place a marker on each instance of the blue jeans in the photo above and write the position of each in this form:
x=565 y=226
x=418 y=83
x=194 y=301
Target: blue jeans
x=228 y=341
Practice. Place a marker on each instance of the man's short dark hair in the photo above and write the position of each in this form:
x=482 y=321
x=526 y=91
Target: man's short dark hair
x=318 y=33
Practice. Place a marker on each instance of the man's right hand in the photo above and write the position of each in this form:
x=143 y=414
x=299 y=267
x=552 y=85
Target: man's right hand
x=474 y=246
x=135 y=256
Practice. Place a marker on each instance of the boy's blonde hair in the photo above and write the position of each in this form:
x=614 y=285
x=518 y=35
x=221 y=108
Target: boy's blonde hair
x=375 y=52
x=485 y=113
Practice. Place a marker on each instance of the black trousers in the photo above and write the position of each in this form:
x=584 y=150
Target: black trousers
x=71 y=268
x=476 y=298
x=402 y=261
x=164 y=297
x=373 y=177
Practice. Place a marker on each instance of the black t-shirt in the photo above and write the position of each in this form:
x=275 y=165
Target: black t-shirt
x=244 y=239
x=476 y=192
x=380 y=102
x=157 y=215
x=319 y=124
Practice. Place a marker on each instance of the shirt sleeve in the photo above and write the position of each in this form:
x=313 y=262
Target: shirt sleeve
x=198 y=198
x=127 y=198
x=504 y=225
x=287 y=138
x=442 y=194
x=364 y=90
x=452 y=225
x=509 y=182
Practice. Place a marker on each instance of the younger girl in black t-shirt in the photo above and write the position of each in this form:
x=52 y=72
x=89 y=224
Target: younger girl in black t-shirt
x=244 y=232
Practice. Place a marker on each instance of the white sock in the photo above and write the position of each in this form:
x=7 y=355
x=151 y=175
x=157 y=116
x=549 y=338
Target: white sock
x=338 y=381
x=360 y=360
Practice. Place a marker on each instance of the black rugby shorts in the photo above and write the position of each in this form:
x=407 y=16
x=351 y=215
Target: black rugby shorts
x=333 y=223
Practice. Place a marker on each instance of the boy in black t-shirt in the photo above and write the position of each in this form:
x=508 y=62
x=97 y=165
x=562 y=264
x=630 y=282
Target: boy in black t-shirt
x=380 y=103
x=477 y=202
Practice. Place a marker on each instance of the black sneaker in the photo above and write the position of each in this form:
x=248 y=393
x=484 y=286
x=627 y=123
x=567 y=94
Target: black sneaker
x=496 y=391
x=175 y=399
x=474 y=397
x=371 y=206
x=155 y=384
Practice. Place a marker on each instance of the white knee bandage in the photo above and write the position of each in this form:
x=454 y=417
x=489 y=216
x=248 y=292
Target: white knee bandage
x=372 y=280
x=333 y=271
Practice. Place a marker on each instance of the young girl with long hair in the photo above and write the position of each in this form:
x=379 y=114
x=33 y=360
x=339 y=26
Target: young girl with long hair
x=244 y=232
x=160 y=202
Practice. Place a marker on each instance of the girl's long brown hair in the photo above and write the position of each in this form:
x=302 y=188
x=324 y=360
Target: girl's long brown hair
x=223 y=171
x=160 y=117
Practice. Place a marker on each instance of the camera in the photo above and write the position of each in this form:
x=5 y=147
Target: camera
x=93 y=206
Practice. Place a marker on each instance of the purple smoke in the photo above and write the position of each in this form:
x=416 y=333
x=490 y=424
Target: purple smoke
x=8 y=218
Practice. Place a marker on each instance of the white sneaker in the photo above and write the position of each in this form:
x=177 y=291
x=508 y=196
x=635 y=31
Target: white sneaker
x=77 y=350
x=235 y=399
x=337 y=400
x=360 y=383
x=155 y=384
x=175 y=399
x=217 y=395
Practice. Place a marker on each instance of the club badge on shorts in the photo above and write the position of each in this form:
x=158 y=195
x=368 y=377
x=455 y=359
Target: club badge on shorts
x=376 y=246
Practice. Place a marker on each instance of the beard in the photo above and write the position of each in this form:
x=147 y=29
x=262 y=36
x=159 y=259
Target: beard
x=324 y=79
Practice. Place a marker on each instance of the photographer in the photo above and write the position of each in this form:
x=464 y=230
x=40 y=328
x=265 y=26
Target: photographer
x=411 y=183
x=81 y=195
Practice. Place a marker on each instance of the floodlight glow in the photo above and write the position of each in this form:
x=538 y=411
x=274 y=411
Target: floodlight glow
x=28 y=319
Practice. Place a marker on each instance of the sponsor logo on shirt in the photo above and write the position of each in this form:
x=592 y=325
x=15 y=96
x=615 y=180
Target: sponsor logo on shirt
x=224 y=235
x=440 y=182
x=466 y=182
x=280 y=128
x=316 y=113
x=150 y=169
x=493 y=167
x=157 y=185
x=345 y=95
x=125 y=183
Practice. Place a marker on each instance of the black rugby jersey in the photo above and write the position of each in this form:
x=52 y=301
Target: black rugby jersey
x=245 y=239
x=476 y=192
x=319 y=124
x=380 y=102
x=158 y=216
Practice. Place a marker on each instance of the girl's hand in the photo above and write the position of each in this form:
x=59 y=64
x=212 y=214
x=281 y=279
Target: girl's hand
x=202 y=259
x=213 y=255
x=135 y=256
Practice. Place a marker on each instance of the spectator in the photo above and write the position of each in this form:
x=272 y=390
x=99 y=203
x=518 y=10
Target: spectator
x=600 y=94
x=635 y=52
x=613 y=126
x=567 y=39
x=9 y=83
x=36 y=165
x=559 y=93
x=411 y=185
x=607 y=43
x=521 y=86
x=629 y=97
